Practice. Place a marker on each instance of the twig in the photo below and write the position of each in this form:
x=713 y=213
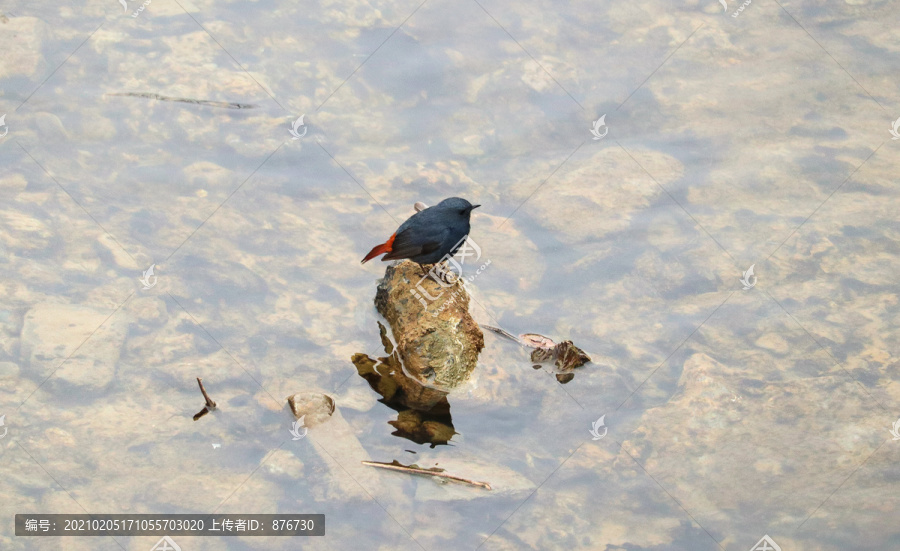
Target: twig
x=209 y=401
x=396 y=466
x=503 y=332
x=531 y=340
x=210 y=103
x=210 y=404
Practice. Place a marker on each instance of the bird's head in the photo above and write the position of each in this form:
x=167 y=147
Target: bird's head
x=461 y=206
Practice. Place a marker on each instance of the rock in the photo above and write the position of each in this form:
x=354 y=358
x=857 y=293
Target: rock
x=356 y=398
x=24 y=40
x=118 y=254
x=51 y=332
x=283 y=462
x=437 y=339
x=24 y=232
x=474 y=466
x=8 y=370
x=91 y=342
x=780 y=438
x=579 y=193
x=317 y=408
x=13 y=183
x=340 y=441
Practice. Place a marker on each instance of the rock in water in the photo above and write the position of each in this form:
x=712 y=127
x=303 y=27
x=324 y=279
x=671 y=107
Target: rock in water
x=315 y=408
x=436 y=336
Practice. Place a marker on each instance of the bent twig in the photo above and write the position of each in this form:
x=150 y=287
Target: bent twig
x=434 y=471
x=502 y=332
x=210 y=404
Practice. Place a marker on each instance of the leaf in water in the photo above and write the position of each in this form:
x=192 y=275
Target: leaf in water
x=536 y=341
x=565 y=355
x=541 y=355
x=569 y=356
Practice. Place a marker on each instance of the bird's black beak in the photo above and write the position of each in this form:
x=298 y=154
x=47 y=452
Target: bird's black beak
x=474 y=207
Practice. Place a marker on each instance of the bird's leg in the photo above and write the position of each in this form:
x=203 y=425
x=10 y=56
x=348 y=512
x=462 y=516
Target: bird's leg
x=437 y=271
x=446 y=270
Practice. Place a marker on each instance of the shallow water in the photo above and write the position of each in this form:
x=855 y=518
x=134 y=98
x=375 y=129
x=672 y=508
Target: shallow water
x=761 y=139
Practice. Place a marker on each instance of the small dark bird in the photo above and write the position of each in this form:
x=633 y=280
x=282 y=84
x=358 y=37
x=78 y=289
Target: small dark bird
x=429 y=235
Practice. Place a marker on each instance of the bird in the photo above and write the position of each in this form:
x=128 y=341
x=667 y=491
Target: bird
x=428 y=235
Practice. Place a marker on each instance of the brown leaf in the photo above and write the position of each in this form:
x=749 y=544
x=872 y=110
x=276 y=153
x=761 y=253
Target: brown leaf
x=569 y=356
x=566 y=355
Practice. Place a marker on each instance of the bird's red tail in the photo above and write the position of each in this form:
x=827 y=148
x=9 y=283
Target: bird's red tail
x=380 y=249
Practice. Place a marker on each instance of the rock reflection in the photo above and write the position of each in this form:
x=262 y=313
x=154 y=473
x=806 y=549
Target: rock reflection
x=423 y=412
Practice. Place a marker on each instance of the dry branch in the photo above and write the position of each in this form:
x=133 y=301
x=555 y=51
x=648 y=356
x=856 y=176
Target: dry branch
x=210 y=404
x=434 y=471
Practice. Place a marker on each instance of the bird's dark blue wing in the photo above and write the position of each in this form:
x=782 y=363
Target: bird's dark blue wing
x=408 y=244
